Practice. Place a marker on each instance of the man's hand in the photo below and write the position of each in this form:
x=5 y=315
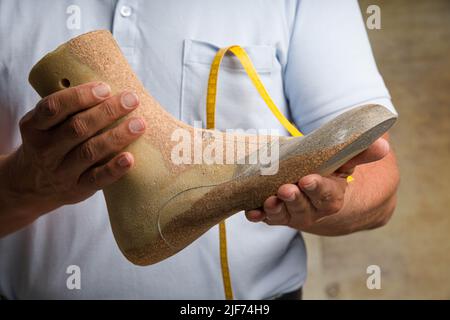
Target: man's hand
x=309 y=205
x=65 y=156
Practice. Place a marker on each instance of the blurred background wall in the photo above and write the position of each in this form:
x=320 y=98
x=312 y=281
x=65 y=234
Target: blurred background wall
x=412 y=50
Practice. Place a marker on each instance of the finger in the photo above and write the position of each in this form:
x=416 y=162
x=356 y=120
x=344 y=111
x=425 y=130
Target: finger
x=377 y=151
x=84 y=125
x=102 y=146
x=101 y=177
x=56 y=107
x=294 y=200
x=325 y=194
x=26 y=130
x=275 y=211
x=255 y=215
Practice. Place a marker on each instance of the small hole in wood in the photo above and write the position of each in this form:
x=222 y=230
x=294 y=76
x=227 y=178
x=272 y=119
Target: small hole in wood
x=65 y=83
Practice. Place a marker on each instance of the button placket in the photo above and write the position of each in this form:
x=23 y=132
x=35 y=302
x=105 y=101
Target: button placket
x=125 y=27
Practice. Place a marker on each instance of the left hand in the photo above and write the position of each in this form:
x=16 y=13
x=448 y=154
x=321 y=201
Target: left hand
x=303 y=205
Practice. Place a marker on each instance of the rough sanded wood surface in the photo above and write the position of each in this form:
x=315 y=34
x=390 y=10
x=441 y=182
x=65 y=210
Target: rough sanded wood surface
x=159 y=207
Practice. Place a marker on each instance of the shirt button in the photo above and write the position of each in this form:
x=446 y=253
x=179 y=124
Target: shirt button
x=125 y=11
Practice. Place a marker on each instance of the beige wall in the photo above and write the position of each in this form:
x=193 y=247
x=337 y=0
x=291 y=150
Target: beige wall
x=413 y=54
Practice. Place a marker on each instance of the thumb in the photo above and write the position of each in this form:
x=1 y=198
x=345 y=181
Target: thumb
x=377 y=151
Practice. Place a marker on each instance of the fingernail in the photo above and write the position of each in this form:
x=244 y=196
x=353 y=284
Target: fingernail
x=101 y=91
x=124 y=161
x=130 y=100
x=136 y=125
x=253 y=216
x=278 y=208
x=275 y=210
x=291 y=197
x=310 y=186
x=386 y=146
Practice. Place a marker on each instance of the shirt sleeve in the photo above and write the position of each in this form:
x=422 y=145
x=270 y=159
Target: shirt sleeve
x=330 y=67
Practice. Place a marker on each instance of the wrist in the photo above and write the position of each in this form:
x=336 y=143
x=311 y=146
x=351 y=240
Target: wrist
x=15 y=199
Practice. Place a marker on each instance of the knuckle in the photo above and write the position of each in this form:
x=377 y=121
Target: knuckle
x=87 y=152
x=48 y=106
x=109 y=171
x=93 y=180
x=80 y=96
x=77 y=127
x=116 y=137
x=108 y=108
x=326 y=196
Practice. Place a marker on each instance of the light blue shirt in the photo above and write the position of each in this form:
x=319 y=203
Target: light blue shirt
x=313 y=57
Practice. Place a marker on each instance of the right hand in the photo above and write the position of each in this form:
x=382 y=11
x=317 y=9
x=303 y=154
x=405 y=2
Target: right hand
x=65 y=157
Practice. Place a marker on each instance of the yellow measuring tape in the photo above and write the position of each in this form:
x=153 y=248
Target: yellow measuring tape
x=211 y=97
x=244 y=59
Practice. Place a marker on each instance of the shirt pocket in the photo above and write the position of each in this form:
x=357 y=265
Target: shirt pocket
x=238 y=104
